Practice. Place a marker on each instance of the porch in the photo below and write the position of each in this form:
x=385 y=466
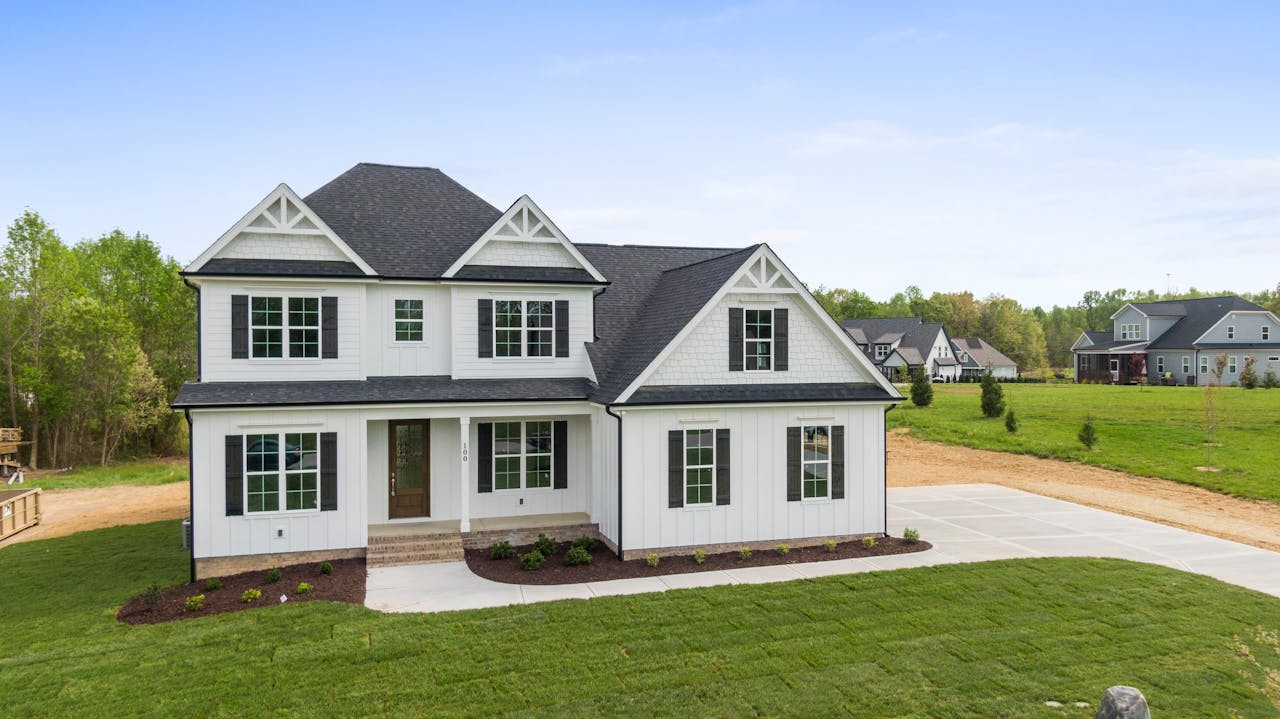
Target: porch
x=1105 y=367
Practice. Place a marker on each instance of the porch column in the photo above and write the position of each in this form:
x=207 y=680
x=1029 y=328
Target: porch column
x=464 y=502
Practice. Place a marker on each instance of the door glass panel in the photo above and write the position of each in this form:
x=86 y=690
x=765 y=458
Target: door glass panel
x=410 y=456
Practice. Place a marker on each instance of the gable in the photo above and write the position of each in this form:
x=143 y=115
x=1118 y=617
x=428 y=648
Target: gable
x=280 y=227
x=524 y=237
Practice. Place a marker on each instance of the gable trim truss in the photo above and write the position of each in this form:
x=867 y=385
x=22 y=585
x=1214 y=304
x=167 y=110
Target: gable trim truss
x=524 y=221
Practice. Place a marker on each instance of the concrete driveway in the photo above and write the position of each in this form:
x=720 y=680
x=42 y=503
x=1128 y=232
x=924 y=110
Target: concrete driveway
x=964 y=522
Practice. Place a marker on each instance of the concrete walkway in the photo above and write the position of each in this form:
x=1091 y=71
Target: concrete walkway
x=964 y=522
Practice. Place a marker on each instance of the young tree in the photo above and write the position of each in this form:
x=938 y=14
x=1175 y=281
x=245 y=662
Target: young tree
x=1210 y=405
x=1010 y=422
x=1138 y=368
x=992 y=396
x=1088 y=434
x=921 y=389
x=1248 y=375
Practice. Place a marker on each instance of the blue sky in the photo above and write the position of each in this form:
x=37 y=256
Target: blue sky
x=1026 y=149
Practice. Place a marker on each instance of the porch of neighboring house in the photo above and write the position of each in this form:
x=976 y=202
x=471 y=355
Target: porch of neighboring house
x=1105 y=367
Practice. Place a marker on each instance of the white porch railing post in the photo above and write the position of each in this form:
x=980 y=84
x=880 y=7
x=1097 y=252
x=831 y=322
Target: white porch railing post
x=464 y=508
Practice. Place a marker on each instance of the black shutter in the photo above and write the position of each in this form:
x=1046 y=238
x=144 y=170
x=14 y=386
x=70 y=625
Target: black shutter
x=793 y=464
x=239 y=326
x=675 y=468
x=562 y=328
x=329 y=328
x=235 y=475
x=722 y=466
x=735 y=339
x=559 y=454
x=780 y=340
x=484 y=327
x=484 y=458
x=837 y=462
x=328 y=471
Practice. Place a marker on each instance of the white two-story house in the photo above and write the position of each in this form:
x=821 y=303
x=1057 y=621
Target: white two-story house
x=909 y=343
x=393 y=354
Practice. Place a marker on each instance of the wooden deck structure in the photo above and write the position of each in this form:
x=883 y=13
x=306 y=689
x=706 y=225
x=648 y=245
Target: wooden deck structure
x=10 y=443
x=19 y=509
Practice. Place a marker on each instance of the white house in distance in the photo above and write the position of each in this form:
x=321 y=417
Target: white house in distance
x=977 y=357
x=909 y=342
x=391 y=363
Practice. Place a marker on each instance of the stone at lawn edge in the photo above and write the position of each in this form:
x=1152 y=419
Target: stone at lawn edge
x=1123 y=703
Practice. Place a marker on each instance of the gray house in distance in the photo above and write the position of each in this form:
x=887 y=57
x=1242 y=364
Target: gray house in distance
x=977 y=357
x=893 y=342
x=1180 y=339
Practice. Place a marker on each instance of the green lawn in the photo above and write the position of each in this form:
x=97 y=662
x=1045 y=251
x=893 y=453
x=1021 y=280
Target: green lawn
x=1153 y=431
x=146 y=472
x=986 y=640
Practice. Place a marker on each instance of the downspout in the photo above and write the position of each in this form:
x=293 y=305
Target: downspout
x=191 y=493
x=199 y=335
x=886 y=469
x=618 y=417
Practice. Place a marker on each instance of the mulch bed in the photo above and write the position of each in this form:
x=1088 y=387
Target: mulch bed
x=345 y=584
x=606 y=565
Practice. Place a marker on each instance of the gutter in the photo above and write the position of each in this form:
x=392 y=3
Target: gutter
x=885 y=472
x=609 y=410
x=191 y=492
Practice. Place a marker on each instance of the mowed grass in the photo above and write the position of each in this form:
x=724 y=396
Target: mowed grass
x=147 y=472
x=985 y=640
x=1152 y=431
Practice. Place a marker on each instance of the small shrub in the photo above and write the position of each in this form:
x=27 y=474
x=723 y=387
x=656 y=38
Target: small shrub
x=212 y=584
x=651 y=559
x=544 y=545
x=193 y=604
x=829 y=545
x=868 y=542
x=304 y=588
x=326 y=568
x=699 y=555
x=576 y=556
x=251 y=595
x=921 y=389
x=992 y=397
x=273 y=576
x=783 y=549
x=502 y=550
x=1270 y=381
x=532 y=560
x=1088 y=434
x=910 y=536
x=1010 y=422
x=744 y=553
x=587 y=543
x=152 y=596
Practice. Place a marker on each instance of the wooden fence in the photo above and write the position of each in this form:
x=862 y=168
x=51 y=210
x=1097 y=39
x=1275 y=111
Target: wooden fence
x=19 y=509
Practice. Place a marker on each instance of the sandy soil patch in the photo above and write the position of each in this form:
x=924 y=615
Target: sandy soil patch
x=67 y=511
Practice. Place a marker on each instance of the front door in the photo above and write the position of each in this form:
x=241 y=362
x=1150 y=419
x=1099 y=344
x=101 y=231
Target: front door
x=409 y=445
x=1115 y=371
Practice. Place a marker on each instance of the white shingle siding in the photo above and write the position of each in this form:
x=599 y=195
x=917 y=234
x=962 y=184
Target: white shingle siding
x=266 y=246
x=523 y=254
x=812 y=356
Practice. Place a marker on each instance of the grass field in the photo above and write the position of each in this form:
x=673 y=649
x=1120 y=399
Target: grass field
x=986 y=640
x=1153 y=431
x=146 y=472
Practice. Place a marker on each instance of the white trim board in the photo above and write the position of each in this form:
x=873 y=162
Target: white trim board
x=545 y=231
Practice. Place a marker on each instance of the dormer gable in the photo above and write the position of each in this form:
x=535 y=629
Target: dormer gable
x=523 y=237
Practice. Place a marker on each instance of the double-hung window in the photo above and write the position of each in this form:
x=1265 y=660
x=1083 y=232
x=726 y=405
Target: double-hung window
x=408 y=319
x=1160 y=364
x=1232 y=364
x=1186 y=364
x=282 y=472
x=522 y=453
x=1266 y=333
x=757 y=337
x=816 y=461
x=1231 y=332
x=524 y=328
x=1204 y=364
x=699 y=466
x=270 y=326
x=1131 y=331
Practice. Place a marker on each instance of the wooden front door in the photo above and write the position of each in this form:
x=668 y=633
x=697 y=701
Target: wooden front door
x=409 y=457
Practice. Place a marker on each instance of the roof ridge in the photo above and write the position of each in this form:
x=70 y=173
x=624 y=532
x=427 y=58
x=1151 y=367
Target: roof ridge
x=400 y=167
x=750 y=249
x=658 y=247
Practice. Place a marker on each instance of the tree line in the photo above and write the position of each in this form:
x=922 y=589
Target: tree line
x=1032 y=337
x=97 y=338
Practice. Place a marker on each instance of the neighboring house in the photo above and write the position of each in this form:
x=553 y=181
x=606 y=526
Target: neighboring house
x=909 y=342
x=1180 y=341
x=392 y=356
x=977 y=357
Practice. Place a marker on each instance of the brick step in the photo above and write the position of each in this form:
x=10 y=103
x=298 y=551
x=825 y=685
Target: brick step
x=401 y=549
x=450 y=537
x=393 y=560
x=413 y=548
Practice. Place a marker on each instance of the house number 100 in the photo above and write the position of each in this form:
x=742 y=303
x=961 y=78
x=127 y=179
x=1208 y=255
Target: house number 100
x=464 y=451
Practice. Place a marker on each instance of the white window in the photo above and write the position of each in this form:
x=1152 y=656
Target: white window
x=882 y=351
x=1186 y=364
x=1131 y=331
x=1204 y=364
x=699 y=466
x=1266 y=333
x=270 y=326
x=524 y=327
x=408 y=320
x=1160 y=364
x=816 y=462
x=757 y=339
x=522 y=455
x=1231 y=364
x=282 y=471
x=1231 y=332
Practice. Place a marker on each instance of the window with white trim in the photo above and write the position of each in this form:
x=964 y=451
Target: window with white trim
x=1231 y=364
x=1131 y=331
x=882 y=351
x=408 y=319
x=524 y=328
x=757 y=340
x=282 y=471
x=1266 y=333
x=1186 y=364
x=1159 y=364
x=522 y=454
x=270 y=326
x=1231 y=332
x=699 y=466
x=1204 y=364
x=815 y=461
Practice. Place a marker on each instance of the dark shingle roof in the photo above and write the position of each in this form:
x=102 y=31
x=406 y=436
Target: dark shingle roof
x=982 y=354
x=503 y=273
x=406 y=222
x=730 y=393
x=278 y=268
x=380 y=390
x=917 y=336
x=1198 y=315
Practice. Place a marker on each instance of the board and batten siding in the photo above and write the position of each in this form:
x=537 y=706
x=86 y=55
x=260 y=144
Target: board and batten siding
x=216 y=364
x=758 y=509
x=812 y=355
x=576 y=497
x=217 y=535
x=383 y=355
x=467 y=364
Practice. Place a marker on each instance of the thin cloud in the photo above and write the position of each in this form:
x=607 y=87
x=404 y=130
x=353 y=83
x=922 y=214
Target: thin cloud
x=866 y=136
x=911 y=34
